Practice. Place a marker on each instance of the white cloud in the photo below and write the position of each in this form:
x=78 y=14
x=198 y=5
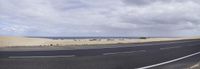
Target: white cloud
x=99 y=18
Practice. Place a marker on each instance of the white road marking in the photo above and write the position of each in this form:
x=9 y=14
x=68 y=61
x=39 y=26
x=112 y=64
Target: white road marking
x=124 y=52
x=42 y=56
x=167 y=43
x=167 y=62
x=166 y=48
x=144 y=45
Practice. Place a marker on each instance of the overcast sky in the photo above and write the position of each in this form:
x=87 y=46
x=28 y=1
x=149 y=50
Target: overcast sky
x=100 y=17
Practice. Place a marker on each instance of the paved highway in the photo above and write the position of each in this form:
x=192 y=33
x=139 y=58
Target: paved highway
x=141 y=56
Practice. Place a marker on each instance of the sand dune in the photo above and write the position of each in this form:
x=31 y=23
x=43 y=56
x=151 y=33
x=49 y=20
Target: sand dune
x=7 y=41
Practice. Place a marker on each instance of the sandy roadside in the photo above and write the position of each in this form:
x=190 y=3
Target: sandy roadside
x=7 y=41
x=196 y=66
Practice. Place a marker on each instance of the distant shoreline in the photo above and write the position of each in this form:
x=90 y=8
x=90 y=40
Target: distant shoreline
x=96 y=37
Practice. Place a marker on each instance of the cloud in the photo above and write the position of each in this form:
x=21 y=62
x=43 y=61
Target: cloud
x=148 y=2
x=165 y=18
x=100 y=18
x=139 y=2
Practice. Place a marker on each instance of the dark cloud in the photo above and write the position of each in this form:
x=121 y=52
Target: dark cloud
x=139 y=2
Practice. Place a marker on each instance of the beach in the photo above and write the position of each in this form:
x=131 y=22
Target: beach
x=13 y=41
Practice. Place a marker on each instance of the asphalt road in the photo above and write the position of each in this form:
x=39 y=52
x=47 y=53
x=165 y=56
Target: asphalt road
x=129 y=57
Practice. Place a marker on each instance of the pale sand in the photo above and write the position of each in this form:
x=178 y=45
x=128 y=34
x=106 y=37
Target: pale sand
x=7 y=41
x=196 y=66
